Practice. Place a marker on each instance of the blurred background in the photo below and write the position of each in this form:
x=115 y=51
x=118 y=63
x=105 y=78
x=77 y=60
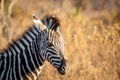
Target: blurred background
x=91 y=29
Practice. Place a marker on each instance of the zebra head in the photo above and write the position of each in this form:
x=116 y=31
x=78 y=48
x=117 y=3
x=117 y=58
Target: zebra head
x=54 y=44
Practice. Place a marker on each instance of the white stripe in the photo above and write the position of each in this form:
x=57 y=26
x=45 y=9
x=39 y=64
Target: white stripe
x=26 y=73
x=36 y=58
x=40 y=69
x=53 y=59
x=28 y=37
x=35 y=31
x=52 y=25
x=19 y=67
x=49 y=23
x=32 y=60
x=20 y=44
x=45 y=21
x=41 y=61
x=5 y=62
x=1 y=60
x=25 y=41
x=18 y=57
x=7 y=74
x=48 y=57
x=51 y=50
x=37 y=22
x=18 y=51
x=0 y=63
x=36 y=55
x=11 y=74
x=46 y=54
x=14 y=56
x=56 y=64
x=0 y=56
x=26 y=61
x=33 y=36
x=19 y=61
x=30 y=56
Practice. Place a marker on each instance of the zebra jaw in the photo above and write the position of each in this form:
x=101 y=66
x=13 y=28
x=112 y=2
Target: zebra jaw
x=63 y=68
x=61 y=71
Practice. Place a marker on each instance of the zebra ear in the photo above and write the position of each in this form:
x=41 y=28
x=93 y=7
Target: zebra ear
x=37 y=22
x=51 y=22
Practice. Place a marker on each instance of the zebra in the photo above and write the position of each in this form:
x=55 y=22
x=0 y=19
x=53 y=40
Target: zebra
x=25 y=57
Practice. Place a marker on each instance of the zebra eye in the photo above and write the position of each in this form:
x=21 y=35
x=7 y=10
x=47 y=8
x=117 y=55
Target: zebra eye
x=49 y=44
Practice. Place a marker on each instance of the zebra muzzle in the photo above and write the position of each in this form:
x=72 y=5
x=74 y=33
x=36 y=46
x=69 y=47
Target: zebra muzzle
x=63 y=68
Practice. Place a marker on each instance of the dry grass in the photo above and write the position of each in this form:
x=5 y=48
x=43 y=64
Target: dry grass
x=92 y=44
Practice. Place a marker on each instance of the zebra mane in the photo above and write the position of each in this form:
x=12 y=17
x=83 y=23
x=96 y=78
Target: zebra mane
x=17 y=38
x=51 y=21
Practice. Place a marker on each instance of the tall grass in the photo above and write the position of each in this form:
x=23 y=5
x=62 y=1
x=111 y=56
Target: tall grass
x=92 y=41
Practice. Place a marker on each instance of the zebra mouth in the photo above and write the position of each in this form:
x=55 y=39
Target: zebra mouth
x=61 y=70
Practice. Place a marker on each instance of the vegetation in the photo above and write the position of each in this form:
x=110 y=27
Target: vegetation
x=90 y=28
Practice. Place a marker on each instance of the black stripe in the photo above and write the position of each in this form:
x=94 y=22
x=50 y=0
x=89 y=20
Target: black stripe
x=11 y=66
x=34 y=54
x=2 y=65
x=23 y=73
x=18 y=46
x=47 y=56
x=1 y=62
x=37 y=52
x=1 y=55
x=16 y=68
x=27 y=51
x=33 y=58
x=52 y=51
x=7 y=59
x=54 y=57
x=16 y=63
x=28 y=58
x=52 y=26
x=34 y=50
x=12 y=61
x=26 y=38
x=35 y=31
x=30 y=35
x=22 y=53
x=46 y=21
x=30 y=64
x=38 y=49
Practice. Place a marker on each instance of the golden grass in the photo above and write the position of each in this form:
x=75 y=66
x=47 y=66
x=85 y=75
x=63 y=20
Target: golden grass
x=92 y=48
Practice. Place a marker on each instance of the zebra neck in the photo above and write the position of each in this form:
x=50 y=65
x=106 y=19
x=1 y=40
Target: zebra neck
x=43 y=38
x=22 y=58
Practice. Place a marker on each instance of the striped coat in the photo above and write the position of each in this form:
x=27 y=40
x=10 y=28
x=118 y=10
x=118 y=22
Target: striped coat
x=24 y=58
x=21 y=58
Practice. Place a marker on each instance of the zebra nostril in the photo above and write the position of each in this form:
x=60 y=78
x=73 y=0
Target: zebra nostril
x=63 y=67
x=67 y=67
x=61 y=71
